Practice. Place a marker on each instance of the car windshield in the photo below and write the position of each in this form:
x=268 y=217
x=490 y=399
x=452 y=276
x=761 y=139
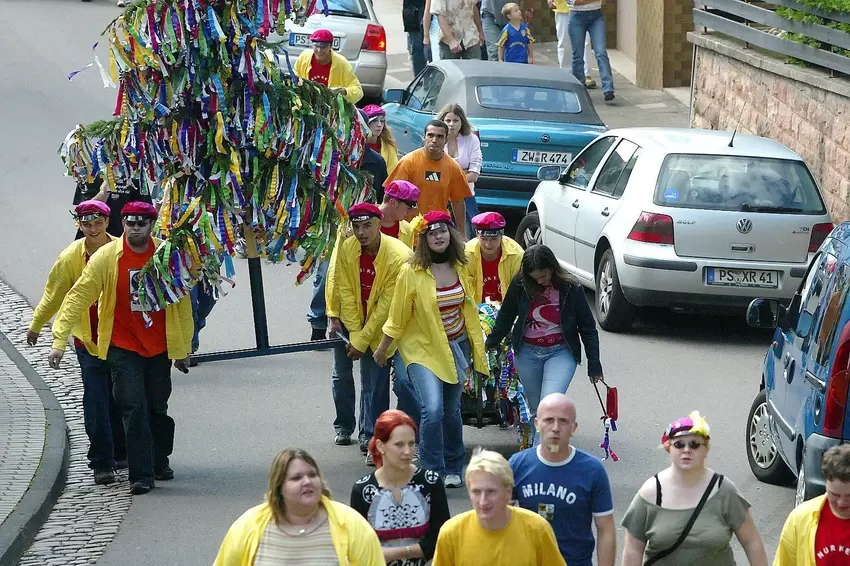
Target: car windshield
x=354 y=8
x=746 y=184
x=527 y=98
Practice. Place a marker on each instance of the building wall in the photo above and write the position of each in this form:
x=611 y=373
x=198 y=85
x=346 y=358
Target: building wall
x=803 y=110
x=627 y=28
x=663 y=52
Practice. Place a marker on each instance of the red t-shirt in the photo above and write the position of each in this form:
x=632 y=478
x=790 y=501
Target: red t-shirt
x=128 y=331
x=832 y=540
x=92 y=320
x=319 y=73
x=543 y=325
x=367 y=278
x=490 y=274
x=376 y=146
x=391 y=231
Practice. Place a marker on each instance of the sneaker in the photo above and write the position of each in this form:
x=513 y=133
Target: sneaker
x=364 y=447
x=319 y=334
x=609 y=96
x=452 y=480
x=589 y=82
x=121 y=464
x=164 y=474
x=342 y=439
x=369 y=460
x=140 y=488
x=104 y=476
x=121 y=4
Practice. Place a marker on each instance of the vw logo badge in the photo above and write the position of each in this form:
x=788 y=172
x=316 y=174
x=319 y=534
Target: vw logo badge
x=745 y=225
x=544 y=138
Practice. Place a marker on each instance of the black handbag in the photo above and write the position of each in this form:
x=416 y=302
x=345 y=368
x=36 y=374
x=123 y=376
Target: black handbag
x=665 y=553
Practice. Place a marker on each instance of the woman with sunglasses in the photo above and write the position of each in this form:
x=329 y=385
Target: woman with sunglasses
x=380 y=136
x=435 y=321
x=689 y=493
x=463 y=146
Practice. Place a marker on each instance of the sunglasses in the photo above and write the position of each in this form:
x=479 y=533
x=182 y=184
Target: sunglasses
x=137 y=223
x=692 y=444
x=411 y=204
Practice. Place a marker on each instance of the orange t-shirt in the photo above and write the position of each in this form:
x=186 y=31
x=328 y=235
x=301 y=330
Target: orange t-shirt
x=439 y=182
x=128 y=331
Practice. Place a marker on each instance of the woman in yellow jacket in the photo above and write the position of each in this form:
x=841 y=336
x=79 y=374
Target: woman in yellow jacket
x=434 y=319
x=494 y=258
x=381 y=137
x=299 y=523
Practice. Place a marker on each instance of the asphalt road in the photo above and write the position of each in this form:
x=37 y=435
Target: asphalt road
x=233 y=417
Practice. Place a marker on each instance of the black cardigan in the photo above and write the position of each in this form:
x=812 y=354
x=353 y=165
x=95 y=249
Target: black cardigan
x=576 y=320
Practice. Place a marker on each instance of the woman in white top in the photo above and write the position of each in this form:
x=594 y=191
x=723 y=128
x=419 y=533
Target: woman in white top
x=464 y=147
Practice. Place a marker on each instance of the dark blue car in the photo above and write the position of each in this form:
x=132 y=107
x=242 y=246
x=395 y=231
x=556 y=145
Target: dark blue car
x=802 y=408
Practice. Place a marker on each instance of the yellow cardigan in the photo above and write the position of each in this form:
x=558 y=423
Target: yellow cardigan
x=390 y=154
x=341 y=75
x=392 y=255
x=64 y=273
x=354 y=540
x=797 y=542
x=99 y=279
x=509 y=265
x=415 y=323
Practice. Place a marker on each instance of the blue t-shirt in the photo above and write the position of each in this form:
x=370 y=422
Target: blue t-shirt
x=515 y=41
x=567 y=494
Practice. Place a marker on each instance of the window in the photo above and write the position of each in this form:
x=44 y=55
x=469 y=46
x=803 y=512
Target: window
x=585 y=165
x=424 y=91
x=350 y=8
x=526 y=98
x=614 y=168
x=429 y=104
x=832 y=308
x=811 y=293
x=747 y=184
x=627 y=173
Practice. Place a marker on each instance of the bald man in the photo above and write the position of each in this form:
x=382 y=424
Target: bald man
x=567 y=486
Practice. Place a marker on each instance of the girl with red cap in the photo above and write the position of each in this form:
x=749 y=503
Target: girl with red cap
x=435 y=321
x=381 y=137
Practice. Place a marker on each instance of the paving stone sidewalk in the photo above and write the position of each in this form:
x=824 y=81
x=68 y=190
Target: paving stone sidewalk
x=86 y=516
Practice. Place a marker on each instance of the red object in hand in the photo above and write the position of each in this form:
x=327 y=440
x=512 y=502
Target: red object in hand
x=612 y=404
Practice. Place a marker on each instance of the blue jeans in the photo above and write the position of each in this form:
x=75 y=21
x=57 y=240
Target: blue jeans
x=592 y=22
x=408 y=398
x=374 y=393
x=434 y=38
x=492 y=31
x=316 y=315
x=441 y=426
x=543 y=371
x=203 y=302
x=471 y=211
x=416 y=49
x=106 y=436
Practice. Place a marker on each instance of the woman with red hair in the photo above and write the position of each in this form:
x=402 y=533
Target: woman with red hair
x=405 y=505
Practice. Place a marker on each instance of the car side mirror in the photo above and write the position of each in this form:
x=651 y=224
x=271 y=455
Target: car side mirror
x=394 y=95
x=765 y=313
x=549 y=173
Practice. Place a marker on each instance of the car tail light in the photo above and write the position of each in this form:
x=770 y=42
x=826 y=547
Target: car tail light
x=835 y=406
x=819 y=234
x=653 y=229
x=375 y=38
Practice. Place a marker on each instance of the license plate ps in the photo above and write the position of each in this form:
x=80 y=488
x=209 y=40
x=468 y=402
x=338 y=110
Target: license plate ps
x=538 y=157
x=741 y=277
x=303 y=40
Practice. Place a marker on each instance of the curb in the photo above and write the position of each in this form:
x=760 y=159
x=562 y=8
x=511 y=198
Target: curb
x=19 y=529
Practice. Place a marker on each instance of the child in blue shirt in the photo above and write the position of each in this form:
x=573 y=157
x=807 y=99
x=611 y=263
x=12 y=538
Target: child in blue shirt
x=515 y=43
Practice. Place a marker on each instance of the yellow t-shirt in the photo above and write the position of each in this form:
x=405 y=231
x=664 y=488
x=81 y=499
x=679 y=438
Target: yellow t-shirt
x=561 y=7
x=528 y=540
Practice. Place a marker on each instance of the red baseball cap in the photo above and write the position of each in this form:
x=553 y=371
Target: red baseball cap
x=138 y=210
x=402 y=190
x=322 y=36
x=437 y=217
x=91 y=209
x=364 y=211
x=489 y=223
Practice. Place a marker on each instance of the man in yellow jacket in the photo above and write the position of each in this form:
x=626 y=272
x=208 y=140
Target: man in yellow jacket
x=494 y=258
x=138 y=354
x=106 y=436
x=365 y=271
x=401 y=198
x=817 y=533
x=323 y=65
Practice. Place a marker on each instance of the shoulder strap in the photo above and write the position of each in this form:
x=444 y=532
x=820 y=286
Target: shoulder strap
x=689 y=526
x=657 y=490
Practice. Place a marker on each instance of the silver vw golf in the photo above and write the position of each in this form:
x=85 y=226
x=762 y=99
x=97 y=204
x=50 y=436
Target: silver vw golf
x=680 y=218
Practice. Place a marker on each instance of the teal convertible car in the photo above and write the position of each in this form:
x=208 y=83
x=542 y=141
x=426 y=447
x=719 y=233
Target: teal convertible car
x=527 y=117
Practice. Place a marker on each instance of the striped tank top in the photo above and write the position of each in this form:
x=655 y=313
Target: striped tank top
x=450 y=302
x=314 y=549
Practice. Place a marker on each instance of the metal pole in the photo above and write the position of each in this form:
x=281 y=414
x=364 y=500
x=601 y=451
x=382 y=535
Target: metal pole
x=258 y=297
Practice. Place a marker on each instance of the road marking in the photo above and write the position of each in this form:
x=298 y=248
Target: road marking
x=651 y=105
x=395 y=70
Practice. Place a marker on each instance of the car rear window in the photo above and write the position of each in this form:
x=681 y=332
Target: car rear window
x=344 y=8
x=525 y=98
x=747 y=184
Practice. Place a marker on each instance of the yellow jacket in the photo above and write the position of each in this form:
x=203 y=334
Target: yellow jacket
x=406 y=234
x=65 y=272
x=415 y=323
x=390 y=154
x=509 y=265
x=341 y=76
x=392 y=255
x=99 y=279
x=354 y=540
x=797 y=542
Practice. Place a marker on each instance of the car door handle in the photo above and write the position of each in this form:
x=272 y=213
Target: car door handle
x=575 y=204
x=815 y=382
x=605 y=211
x=787 y=359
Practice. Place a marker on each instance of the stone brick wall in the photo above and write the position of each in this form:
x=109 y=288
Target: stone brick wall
x=801 y=109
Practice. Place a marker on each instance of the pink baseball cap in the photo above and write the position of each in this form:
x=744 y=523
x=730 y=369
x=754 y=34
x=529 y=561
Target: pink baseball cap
x=90 y=209
x=373 y=111
x=402 y=190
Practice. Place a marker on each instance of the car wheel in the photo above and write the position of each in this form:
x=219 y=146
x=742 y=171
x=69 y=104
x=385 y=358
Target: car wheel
x=765 y=462
x=804 y=493
x=613 y=311
x=528 y=232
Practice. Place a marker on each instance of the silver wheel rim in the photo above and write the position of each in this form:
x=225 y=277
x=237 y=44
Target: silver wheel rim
x=762 y=447
x=800 y=496
x=531 y=235
x=606 y=288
